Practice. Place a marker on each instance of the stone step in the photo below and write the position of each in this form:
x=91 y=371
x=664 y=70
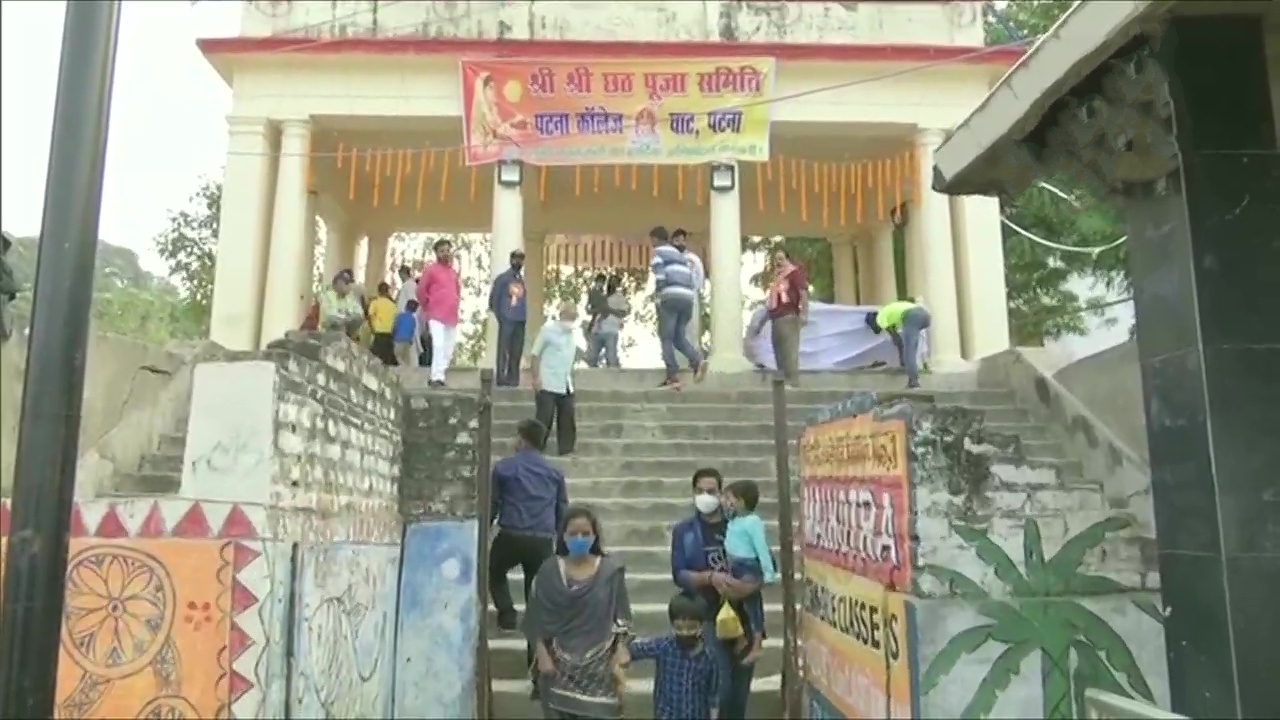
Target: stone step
x=162 y=463
x=643 y=378
x=722 y=431
x=668 y=488
x=150 y=482
x=650 y=558
x=644 y=587
x=706 y=413
x=173 y=443
x=735 y=467
x=762 y=397
x=686 y=448
x=507 y=659
x=511 y=697
x=647 y=619
x=660 y=509
x=658 y=532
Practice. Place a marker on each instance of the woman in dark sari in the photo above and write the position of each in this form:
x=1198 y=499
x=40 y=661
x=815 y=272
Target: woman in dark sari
x=579 y=622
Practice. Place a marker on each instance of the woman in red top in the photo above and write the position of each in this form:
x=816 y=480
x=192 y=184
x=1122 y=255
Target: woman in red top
x=787 y=301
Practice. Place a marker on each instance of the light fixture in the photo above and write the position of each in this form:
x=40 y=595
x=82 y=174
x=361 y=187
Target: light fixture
x=510 y=173
x=724 y=176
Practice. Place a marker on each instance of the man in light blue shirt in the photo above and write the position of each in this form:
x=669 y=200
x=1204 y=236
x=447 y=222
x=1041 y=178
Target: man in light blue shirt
x=674 y=290
x=554 y=353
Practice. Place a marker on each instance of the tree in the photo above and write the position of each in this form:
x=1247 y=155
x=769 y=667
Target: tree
x=1077 y=648
x=188 y=248
x=1042 y=304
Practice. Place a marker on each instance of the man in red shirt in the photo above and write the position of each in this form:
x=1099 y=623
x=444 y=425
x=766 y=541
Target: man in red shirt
x=439 y=297
x=787 y=302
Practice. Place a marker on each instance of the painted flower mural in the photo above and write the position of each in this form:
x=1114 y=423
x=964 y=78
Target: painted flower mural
x=1043 y=615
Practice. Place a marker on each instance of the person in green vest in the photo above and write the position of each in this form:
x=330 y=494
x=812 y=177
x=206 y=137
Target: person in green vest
x=904 y=321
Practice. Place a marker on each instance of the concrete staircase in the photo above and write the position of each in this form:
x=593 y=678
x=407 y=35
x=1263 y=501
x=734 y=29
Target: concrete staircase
x=637 y=450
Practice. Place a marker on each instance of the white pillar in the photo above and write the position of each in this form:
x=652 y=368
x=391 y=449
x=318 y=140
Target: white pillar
x=725 y=271
x=864 y=252
x=284 y=306
x=337 y=245
x=937 y=261
x=535 y=284
x=375 y=263
x=842 y=271
x=240 y=270
x=311 y=268
x=885 y=267
x=984 y=302
x=507 y=235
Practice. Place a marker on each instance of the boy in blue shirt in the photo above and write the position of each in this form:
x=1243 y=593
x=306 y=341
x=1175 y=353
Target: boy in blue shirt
x=686 y=685
x=403 y=331
x=749 y=557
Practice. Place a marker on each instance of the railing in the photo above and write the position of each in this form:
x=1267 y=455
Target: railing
x=1102 y=705
x=792 y=684
x=484 y=462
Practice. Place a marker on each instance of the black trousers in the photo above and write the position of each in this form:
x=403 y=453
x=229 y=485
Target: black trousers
x=424 y=355
x=384 y=348
x=510 y=348
x=549 y=407
x=508 y=550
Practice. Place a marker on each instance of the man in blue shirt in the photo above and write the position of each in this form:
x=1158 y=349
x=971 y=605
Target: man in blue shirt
x=699 y=565
x=508 y=304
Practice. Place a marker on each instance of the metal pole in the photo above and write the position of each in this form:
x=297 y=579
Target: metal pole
x=484 y=463
x=791 y=690
x=44 y=485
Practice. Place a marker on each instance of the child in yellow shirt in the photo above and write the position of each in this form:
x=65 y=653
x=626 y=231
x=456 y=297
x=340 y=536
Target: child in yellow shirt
x=382 y=319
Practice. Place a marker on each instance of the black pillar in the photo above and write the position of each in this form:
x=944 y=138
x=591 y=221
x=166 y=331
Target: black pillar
x=1205 y=259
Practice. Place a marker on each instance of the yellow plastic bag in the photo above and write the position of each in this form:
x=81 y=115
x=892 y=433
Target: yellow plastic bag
x=728 y=625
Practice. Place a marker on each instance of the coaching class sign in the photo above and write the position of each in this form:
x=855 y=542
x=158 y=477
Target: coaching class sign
x=601 y=112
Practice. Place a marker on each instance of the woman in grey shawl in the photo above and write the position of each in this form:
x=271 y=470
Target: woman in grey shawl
x=579 y=622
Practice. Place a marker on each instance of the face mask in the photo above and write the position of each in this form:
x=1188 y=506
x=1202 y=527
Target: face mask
x=706 y=503
x=688 y=642
x=579 y=546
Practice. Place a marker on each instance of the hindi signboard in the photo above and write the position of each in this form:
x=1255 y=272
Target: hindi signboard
x=856 y=498
x=609 y=112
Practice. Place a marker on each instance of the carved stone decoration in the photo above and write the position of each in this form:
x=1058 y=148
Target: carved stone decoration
x=272 y=8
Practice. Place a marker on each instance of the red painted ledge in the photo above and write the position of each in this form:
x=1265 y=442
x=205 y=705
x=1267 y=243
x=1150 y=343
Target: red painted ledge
x=587 y=49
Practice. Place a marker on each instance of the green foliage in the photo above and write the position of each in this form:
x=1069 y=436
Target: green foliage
x=188 y=248
x=1066 y=630
x=813 y=254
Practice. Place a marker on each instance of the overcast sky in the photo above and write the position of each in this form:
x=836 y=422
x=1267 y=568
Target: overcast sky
x=168 y=118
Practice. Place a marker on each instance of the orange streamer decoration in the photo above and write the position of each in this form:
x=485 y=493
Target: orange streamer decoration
x=388 y=170
x=577 y=181
x=351 y=175
x=399 y=177
x=542 y=183
x=768 y=171
x=880 y=181
x=782 y=186
x=794 y=166
x=804 y=196
x=826 y=196
x=845 y=169
x=595 y=180
x=817 y=174
x=680 y=183
x=422 y=178
x=444 y=176
x=341 y=148
x=897 y=182
x=368 y=160
x=377 y=178
x=760 y=172
x=699 y=192
x=472 y=191
x=655 y=180
x=617 y=176
x=857 y=192
x=634 y=174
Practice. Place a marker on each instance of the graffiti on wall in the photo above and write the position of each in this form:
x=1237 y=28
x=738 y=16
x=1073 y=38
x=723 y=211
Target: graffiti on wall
x=344 y=630
x=435 y=671
x=1053 y=614
x=160 y=613
x=856 y=495
x=856 y=639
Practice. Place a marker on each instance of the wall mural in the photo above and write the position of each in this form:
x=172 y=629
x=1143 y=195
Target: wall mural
x=161 y=615
x=344 y=631
x=435 y=669
x=1046 y=614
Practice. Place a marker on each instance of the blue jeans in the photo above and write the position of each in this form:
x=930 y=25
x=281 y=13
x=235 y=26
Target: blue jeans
x=914 y=321
x=735 y=678
x=752 y=605
x=603 y=343
x=674 y=316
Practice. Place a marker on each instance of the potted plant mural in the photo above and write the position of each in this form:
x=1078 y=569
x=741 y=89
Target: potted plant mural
x=1078 y=649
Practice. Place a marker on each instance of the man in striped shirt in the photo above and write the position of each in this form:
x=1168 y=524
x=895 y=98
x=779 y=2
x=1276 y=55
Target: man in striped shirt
x=674 y=290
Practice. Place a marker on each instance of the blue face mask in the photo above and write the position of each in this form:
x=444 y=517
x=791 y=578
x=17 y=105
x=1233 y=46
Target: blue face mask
x=579 y=545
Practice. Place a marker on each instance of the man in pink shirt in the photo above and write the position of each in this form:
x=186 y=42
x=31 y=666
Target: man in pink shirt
x=439 y=295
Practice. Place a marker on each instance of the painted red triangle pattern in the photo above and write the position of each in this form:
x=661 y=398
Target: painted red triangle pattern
x=242 y=598
x=238 y=641
x=78 y=530
x=192 y=524
x=153 y=524
x=237 y=525
x=111 y=525
x=242 y=555
x=238 y=685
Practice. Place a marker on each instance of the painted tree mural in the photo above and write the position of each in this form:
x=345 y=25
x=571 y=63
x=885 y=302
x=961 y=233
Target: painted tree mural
x=1077 y=648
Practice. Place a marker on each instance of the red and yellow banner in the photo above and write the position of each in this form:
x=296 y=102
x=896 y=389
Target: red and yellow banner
x=649 y=112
